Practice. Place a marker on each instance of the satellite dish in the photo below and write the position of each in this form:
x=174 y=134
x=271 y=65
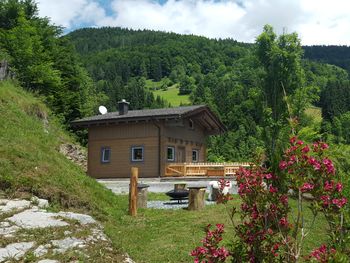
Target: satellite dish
x=102 y=109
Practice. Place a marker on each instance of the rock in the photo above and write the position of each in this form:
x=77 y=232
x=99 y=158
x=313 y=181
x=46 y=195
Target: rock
x=13 y=205
x=34 y=218
x=15 y=250
x=41 y=203
x=40 y=251
x=48 y=261
x=75 y=153
x=64 y=244
x=82 y=218
x=4 y=201
x=127 y=259
x=66 y=233
x=7 y=230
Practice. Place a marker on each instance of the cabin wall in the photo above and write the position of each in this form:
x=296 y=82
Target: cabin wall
x=120 y=139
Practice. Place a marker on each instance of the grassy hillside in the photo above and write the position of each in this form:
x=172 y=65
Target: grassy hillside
x=170 y=94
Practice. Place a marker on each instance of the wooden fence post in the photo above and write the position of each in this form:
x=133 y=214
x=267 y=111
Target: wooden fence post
x=133 y=191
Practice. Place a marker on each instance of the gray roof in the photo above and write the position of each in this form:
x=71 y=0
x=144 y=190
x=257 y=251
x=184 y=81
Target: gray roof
x=147 y=114
x=175 y=112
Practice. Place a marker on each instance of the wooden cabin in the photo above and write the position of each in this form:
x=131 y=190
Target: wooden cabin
x=148 y=139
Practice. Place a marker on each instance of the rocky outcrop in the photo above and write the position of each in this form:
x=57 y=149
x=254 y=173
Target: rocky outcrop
x=75 y=153
x=30 y=233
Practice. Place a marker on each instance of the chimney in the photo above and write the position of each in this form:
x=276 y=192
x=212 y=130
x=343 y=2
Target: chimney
x=123 y=107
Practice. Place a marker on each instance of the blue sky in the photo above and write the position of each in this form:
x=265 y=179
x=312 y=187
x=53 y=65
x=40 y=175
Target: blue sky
x=316 y=21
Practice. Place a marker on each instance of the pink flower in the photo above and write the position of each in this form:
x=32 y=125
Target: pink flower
x=292 y=140
x=314 y=163
x=324 y=146
x=305 y=149
x=328 y=186
x=307 y=187
x=273 y=189
x=339 y=187
x=299 y=142
x=329 y=165
x=326 y=200
x=283 y=222
x=339 y=202
x=284 y=199
x=283 y=165
x=268 y=176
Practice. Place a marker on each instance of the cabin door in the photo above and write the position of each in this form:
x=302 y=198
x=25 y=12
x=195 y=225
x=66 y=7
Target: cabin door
x=181 y=155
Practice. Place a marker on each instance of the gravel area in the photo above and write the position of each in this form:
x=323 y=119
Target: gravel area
x=172 y=204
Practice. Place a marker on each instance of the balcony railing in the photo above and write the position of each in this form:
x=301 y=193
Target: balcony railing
x=203 y=169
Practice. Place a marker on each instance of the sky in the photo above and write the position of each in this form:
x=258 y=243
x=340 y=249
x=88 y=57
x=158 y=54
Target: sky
x=317 y=22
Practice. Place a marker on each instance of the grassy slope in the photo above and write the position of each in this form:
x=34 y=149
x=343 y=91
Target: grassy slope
x=171 y=95
x=30 y=163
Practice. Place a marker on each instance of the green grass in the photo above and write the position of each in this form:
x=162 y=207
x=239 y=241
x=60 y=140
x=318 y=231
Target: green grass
x=171 y=95
x=30 y=164
x=315 y=113
x=169 y=235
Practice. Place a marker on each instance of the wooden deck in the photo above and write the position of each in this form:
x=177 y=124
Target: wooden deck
x=203 y=169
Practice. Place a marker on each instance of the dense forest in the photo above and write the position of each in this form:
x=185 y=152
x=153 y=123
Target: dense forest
x=256 y=89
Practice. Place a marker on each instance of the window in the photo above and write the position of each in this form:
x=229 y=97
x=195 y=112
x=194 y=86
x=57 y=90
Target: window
x=195 y=156
x=171 y=153
x=137 y=153
x=105 y=154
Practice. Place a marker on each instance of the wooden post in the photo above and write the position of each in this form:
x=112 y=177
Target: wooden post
x=133 y=191
x=196 y=198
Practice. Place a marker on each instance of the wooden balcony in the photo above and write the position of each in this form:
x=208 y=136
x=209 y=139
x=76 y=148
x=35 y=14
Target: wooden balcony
x=203 y=169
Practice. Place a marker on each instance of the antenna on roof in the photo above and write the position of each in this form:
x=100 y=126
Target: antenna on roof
x=102 y=109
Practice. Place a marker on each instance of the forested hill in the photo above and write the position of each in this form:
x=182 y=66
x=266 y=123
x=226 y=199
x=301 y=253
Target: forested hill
x=225 y=74
x=336 y=55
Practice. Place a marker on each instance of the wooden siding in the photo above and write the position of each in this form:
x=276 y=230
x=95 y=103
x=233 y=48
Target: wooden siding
x=120 y=138
x=134 y=130
x=120 y=161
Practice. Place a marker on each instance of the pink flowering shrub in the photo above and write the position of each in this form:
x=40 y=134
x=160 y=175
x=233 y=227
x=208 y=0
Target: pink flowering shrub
x=223 y=197
x=322 y=254
x=210 y=252
x=264 y=214
x=310 y=171
x=265 y=234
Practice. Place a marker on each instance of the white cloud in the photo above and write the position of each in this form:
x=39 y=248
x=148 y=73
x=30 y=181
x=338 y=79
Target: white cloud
x=316 y=21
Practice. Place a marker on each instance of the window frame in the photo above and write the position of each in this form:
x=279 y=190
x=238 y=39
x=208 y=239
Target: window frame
x=103 y=154
x=167 y=156
x=197 y=155
x=135 y=147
